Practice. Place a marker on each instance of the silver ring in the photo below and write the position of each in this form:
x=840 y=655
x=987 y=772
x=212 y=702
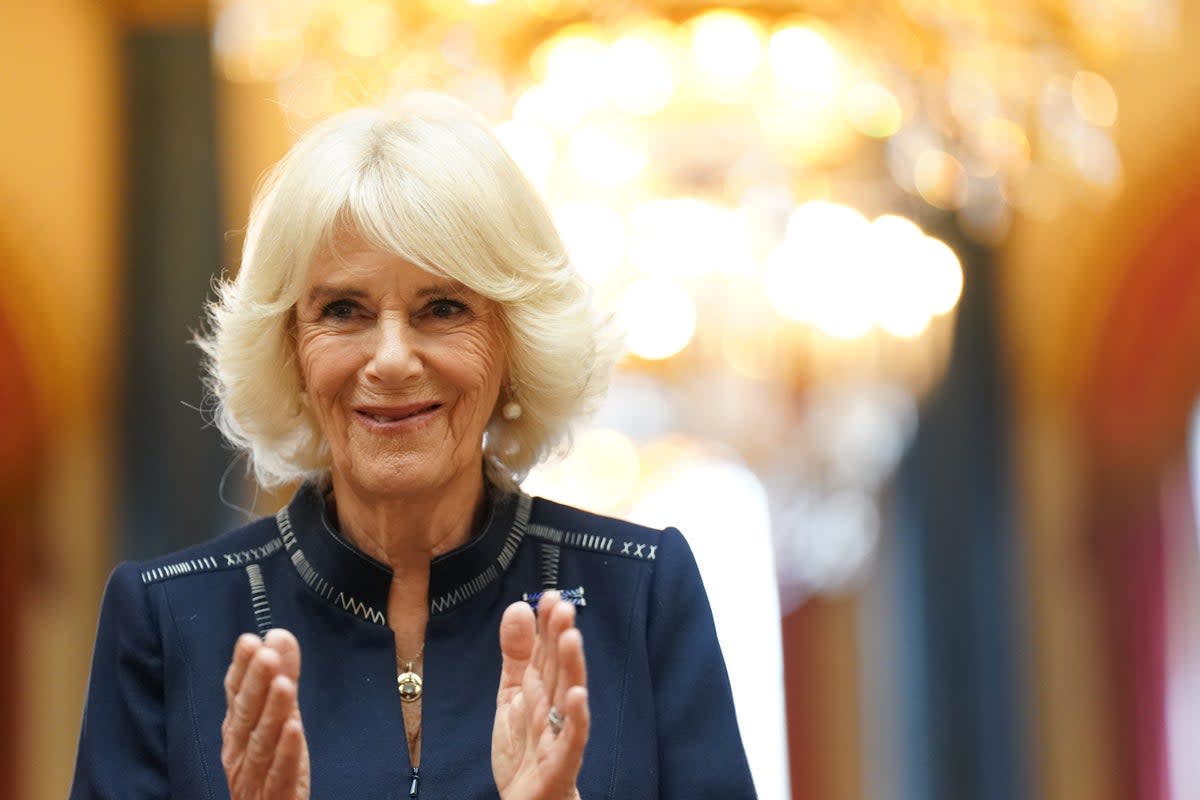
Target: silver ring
x=555 y=720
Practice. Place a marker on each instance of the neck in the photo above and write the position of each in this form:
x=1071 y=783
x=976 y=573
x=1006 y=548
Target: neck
x=408 y=531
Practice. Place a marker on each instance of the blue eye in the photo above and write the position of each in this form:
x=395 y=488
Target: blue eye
x=339 y=309
x=445 y=309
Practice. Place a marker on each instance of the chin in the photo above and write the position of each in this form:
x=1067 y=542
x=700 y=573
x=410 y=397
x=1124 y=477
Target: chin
x=392 y=485
x=390 y=481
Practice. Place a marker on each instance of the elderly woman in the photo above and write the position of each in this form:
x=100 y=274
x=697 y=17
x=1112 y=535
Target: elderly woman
x=406 y=338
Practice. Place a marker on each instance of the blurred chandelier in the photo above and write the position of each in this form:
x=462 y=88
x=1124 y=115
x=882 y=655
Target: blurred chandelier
x=707 y=160
x=750 y=188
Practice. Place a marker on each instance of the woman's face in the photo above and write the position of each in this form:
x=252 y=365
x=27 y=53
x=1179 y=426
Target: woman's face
x=402 y=367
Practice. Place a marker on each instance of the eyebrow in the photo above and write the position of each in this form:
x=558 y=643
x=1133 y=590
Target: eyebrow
x=326 y=292
x=445 y=287
x=334 y=292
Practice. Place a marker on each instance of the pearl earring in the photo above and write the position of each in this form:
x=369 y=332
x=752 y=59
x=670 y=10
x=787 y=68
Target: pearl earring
x=511 y=411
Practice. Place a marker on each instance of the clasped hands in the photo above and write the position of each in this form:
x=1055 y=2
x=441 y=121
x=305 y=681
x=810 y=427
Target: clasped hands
x=265 y=753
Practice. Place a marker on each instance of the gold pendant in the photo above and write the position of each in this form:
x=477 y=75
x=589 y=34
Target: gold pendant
x=409 y=684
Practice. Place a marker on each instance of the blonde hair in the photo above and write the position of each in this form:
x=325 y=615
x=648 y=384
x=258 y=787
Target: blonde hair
x=423 y=178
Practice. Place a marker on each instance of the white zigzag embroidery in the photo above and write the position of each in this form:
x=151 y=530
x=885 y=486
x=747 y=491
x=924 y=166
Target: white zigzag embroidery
x=360 y=609
x=308 y=573
x=476 y=585
x=314 y=579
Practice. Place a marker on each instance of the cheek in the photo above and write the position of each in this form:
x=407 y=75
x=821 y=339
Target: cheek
x=325 y=364
x=483 y=364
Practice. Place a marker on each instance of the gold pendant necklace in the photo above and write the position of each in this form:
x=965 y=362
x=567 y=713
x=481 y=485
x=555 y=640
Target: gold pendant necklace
x=408 y=683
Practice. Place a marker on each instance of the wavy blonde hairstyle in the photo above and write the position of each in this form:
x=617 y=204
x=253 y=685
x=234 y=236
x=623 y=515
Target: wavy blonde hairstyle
x=423 y=178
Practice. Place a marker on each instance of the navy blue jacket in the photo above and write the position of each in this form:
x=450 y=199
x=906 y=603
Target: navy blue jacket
x=663 y=722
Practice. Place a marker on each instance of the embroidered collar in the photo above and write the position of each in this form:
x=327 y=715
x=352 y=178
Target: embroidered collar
x=352 y=580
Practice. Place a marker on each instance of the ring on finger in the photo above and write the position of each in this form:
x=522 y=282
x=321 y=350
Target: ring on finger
x=555 y=720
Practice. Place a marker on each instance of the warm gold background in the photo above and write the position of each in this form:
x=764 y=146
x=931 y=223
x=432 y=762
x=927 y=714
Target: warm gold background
x=1064 y=282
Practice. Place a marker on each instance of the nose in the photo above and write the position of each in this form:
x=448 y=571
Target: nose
x=396 y=355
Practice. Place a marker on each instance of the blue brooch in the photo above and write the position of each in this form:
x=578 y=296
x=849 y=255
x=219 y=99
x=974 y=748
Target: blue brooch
x=573 y=596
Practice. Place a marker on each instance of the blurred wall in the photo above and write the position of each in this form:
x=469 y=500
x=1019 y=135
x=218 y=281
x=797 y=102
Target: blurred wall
x=59 y=213
x=61 y=235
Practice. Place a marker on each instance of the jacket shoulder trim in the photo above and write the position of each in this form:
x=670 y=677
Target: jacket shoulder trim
x=221 y=553
x=564 y=526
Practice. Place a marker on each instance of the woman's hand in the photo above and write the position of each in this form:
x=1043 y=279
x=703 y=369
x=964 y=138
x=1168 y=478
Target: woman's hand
x=263 y=748
x=543 y=668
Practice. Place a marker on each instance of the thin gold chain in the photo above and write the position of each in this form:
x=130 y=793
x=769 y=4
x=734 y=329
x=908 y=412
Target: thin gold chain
x=414 y=659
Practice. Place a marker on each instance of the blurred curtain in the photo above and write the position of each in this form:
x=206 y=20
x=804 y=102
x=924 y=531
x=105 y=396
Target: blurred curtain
x=173 y=460
x=959 y=671
x=1134 y=405
x=21 y=453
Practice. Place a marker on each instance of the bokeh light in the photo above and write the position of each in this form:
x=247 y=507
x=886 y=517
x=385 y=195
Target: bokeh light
x=803 y=61
x=831 y=540
x=873 y=110
x=253 y=45
x=573 y=66
x=943 y=275
x=599 y=474
x=894 y=247
x=367 y=30
x=530 y=146
x=594 y=234
x=1094 y=98
x=658 y=317
x=640 y=72
x=726 y=45
x=845 y=275
x=1095 y=156
x=940 y=179
x=606 y=157
x=818 y=275
x=1004 y=144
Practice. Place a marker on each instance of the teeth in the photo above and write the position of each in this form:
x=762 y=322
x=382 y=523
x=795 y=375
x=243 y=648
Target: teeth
x=382 y=419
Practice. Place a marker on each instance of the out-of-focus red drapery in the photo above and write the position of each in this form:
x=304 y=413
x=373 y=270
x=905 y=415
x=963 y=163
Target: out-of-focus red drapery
x=20 y=460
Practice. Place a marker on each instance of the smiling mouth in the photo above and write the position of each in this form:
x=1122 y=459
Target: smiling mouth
x=384 y=417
